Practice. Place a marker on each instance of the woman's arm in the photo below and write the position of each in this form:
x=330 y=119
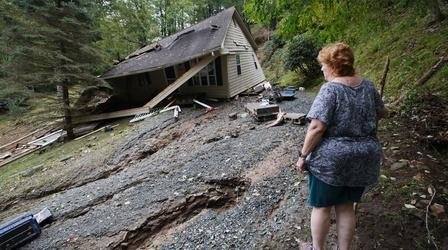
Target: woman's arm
x=313 y=136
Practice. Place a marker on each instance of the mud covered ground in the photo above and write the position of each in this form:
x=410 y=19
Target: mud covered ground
x=202 y=182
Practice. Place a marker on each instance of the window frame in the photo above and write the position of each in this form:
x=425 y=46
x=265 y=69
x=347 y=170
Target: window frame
x=168 y=79
x=255 y=61
x=238 y=64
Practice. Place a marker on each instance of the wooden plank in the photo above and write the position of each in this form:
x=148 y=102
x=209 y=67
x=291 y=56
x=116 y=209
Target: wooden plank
x=48 y=139
x=110 y=115
x=180 y=81
x=95 y=131
x=20 y=155
x=25 y=136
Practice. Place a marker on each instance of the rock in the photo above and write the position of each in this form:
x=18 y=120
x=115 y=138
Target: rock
x=398 y=165
x=233 y=116
x=409 y=206
x=437 y=209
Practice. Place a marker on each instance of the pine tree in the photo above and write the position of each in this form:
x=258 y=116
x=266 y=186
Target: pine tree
x=50 y=43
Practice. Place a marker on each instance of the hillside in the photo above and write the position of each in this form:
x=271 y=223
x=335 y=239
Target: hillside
x=403 y=33
x=207 y=181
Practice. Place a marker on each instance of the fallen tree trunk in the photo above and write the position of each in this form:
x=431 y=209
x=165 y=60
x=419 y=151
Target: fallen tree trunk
x=432 y=71
x=428 y=74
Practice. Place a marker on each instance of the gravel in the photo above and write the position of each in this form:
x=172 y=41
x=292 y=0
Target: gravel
x=201 y=182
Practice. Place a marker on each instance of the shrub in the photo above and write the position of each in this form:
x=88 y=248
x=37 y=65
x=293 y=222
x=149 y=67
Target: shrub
x=302 y=54
x=271 y=46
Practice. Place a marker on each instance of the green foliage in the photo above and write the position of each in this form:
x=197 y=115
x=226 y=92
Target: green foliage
x=290 y=79
x=401 y=30
x=274 y=68
x=271 y=46
x=302 y=53
x=126 y=25
x=50 y=44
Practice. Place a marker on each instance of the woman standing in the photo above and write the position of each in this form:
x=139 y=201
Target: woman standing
x=341 y=151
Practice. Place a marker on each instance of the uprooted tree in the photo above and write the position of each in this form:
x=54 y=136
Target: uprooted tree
x=49 y=43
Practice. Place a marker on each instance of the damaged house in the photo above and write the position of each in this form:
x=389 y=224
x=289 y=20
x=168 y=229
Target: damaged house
x=215 y=58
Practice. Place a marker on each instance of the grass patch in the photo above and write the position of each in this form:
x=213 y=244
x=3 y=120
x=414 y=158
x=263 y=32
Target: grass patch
x=412 y=46
x=51 y=156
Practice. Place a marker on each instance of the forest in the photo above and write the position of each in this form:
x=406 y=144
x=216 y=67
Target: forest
x=49 y=43
x=53 y=50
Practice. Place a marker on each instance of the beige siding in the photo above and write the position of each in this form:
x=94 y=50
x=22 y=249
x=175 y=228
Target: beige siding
x=249 y=75
x=235 y=34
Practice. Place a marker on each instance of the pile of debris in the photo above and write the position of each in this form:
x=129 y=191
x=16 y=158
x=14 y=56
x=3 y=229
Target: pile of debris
x=267 y=109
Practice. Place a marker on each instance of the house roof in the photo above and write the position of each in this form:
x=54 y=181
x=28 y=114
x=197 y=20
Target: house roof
x=195 y=41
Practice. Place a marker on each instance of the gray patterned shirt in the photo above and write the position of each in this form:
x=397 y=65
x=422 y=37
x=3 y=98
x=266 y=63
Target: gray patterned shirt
x=349 y=153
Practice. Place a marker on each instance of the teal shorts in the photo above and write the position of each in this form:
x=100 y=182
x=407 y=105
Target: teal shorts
x=321 y=194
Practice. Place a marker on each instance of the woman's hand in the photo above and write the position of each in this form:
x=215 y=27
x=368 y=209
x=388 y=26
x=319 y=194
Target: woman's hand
x=300 y=165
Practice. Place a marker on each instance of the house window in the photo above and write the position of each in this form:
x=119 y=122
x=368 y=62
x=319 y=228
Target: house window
x=209 y=75
x=238 y=64
x=170 y=75
x=255 y=61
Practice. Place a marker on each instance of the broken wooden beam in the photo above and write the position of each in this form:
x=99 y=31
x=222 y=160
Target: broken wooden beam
x=25 y=136
x=20 y=155
x=176 y=107
x=209 y=108
x=95 y=131
x=110 y=115
x=48 y=139
x=180 y=81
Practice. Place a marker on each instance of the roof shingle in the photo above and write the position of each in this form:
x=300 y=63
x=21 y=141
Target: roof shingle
x=192 y=42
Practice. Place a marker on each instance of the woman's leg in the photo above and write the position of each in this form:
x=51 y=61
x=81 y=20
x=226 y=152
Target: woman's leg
x=345 y=224
x=320 y=224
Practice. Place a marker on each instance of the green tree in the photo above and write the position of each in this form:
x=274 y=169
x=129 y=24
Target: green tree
x=302 y=53
x=124 y=26
x=50 y=42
